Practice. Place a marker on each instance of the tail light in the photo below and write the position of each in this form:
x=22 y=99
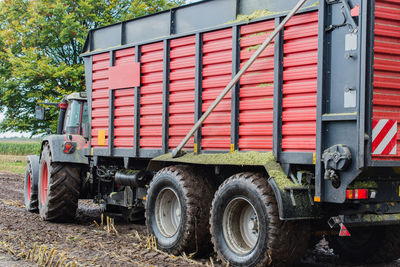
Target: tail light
x=69 y=147
x=357 y=194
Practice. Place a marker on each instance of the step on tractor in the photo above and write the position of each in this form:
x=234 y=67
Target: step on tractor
x=248 y=128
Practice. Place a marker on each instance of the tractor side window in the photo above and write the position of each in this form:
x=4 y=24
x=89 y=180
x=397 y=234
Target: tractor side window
x=72 y=118
x=85 y=113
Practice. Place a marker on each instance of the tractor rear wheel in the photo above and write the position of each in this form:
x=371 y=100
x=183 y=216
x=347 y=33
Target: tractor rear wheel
x=368 y=244
x=59 y=188
x=245 y=225
x=177 y=210
x=30 y=189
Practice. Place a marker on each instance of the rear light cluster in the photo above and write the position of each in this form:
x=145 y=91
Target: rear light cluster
x=357 y=194
x=69 y=147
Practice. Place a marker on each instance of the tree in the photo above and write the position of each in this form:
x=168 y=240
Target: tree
x=40 y=43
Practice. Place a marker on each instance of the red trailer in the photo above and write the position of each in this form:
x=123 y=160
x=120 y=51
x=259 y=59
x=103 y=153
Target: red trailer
x=306 y=141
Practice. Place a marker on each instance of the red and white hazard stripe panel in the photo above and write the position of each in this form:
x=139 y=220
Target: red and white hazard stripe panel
x=384 y=137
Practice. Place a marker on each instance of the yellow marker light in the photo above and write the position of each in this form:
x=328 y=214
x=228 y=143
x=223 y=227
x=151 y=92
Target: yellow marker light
x=317 y=199
x=314 y=159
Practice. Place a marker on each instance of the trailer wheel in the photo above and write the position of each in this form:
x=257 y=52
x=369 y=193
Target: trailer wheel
x=245 y=225
x=30 y=189
x=368 y=244
x=177 y=210
x=59 y=186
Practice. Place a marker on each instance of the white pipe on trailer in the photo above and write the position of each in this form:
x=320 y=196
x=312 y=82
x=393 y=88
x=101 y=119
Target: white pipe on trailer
x=237 y=77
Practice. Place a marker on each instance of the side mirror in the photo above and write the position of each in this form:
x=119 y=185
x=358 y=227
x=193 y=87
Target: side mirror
x=39 y=113
x=86 y=130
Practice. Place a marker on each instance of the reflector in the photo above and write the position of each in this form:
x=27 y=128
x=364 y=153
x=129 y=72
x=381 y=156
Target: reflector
x=344 y=231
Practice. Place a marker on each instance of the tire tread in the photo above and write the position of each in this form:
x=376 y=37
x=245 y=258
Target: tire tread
x=283 y=248
x=198 y=193
x=64 y=190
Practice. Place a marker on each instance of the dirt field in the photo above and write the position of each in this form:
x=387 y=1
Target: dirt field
x=25 y=240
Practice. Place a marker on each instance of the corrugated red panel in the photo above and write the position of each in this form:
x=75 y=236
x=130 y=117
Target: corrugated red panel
x=151 y=96
x=100 y=96
x=217 y=72
x=300 y=83
x=124 y=105
x=181 y=89
x=124 y=113
x=386 y=95
x=256 y=89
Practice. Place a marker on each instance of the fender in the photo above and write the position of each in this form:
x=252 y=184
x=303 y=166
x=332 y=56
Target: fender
x=294 y=201
x=56 y=143
x=34 y=160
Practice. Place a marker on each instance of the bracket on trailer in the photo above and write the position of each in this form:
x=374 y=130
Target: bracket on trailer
x=347 y=16
x=359 y=220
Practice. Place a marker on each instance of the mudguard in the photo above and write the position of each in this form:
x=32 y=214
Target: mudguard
x=294 y=201
x=56 y=143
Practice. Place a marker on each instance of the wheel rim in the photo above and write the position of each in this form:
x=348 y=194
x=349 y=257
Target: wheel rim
x=168 y=212
x=44 y=183
x=28 y=189
x=240 y=226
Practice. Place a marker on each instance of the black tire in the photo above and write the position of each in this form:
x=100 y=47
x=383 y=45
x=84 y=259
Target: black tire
x=194 y=193
x=30 y=189
x=60 y=201
x=368 y=245
x=276 y=242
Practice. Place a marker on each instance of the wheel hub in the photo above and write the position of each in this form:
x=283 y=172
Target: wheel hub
x=168 y=212
x=44 y=183
x=29 y=186
x=240 y=226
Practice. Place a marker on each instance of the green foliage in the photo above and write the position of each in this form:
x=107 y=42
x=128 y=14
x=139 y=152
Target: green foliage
x=20 y=148
x=40 y=43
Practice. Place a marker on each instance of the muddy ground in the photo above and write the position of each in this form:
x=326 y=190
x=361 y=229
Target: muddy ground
x=25 y=240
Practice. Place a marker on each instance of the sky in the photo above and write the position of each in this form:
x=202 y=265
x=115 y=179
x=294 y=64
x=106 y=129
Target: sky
x=11 y=134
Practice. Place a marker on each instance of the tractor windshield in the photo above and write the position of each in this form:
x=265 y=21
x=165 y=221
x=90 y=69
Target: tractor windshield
x=77 y=114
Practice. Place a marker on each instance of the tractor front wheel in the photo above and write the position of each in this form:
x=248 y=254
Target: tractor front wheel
x=31 y=188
